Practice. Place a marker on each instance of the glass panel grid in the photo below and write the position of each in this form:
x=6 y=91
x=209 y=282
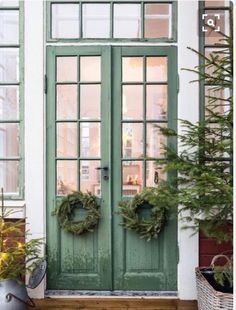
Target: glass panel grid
x=146 y=80
x=78 y=100
x=11 y=95
x=112 y=20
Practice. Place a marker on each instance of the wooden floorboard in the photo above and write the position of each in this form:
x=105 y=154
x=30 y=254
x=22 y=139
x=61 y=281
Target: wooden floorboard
x=114 y=304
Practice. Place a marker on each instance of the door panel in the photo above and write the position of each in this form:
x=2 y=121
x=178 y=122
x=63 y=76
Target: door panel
x=138 y=264
x=76 y=129
x=103 y=105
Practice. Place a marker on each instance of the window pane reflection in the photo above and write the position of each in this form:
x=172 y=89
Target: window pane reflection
x=67 y=140
x=156 y=102
x=132 y=140
x=65 y=21
x=9 y=65
x=66 y=101
x=90 y=139
x=154 y=174
x=155 y=141
x=90 y=177
x=90 y=101
x=215 y=100
x=9 y=30
x=9 y=102
x=90 y=68
x=8 y=3
x=127 y=20
x=156 y=69
x=132 y=102
x=66 y=176
x=9 y=176
x=96 y=20
x=132 y=69
x=157 y=21
x=66 y=69
x=131 y=177
x=9 y=140
x=212 y=36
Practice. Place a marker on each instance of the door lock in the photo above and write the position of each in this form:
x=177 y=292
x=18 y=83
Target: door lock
x=105 y=175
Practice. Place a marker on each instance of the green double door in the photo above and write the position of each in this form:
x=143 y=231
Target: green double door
x=103 y=105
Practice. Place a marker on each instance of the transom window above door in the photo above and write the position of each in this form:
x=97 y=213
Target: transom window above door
x=116 y=20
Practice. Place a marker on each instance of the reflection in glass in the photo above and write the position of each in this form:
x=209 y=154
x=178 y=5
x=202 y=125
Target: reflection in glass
x=9 y=30
x=65 y=21
x=8 y=3
x=157 y=20
x=9 y=176
x=9 y=65
x=9 y=103
x=66 y=176
x=90 y=97
x=132 y=140
x=9 y=140
x=154 y=174
x=132 y=102
x=215 y=52
x=127 y=20
x=131 y=177
x=132 y=69
x=67 y=139
x=215 y=100
x=90 y=177
x=96 y=20
x=66 y=69
x=66 y=101
x=90 y=68
x=216 y=37
x=156 y=102
x=89 y=139
x=156 y=69
x=155 y=141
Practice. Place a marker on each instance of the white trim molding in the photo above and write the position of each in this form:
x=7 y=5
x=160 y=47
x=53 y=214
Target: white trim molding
x=188 y=108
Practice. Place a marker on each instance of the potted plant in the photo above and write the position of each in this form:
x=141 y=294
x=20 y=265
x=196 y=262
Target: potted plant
x=16 y=258
x=203 y=186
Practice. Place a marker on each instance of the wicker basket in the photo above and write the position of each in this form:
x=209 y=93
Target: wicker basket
x=208 y=297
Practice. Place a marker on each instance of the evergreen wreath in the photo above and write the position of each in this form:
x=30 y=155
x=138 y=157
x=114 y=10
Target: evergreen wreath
x=146 y=228
x=66 y=209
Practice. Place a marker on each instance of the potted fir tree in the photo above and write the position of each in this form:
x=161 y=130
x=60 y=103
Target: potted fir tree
x=16 y=258
x=204 y=191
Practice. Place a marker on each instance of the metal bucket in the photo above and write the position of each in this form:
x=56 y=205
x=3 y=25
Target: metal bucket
x=10 y=291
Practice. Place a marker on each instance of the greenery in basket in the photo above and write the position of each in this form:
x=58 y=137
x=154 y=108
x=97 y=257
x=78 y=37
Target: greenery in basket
x=16 y=257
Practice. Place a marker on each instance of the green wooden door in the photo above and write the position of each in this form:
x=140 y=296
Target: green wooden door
x=102 y=107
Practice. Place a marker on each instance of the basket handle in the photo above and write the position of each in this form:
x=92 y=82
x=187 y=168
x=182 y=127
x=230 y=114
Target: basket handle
x=219 y=256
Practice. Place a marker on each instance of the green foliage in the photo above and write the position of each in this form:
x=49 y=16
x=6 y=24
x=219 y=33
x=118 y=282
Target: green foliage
x=16 y=258
x=66 y=211
x=204 y=162
x=150 y=227
x=223 y=274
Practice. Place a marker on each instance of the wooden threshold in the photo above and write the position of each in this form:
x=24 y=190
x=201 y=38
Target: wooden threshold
x=101 y=303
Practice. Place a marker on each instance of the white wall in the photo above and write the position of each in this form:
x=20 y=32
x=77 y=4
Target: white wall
x=35 y=136
x=34 y=123
x=188 y=108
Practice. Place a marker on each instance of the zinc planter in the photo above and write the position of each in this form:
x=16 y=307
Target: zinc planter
x=16 y=288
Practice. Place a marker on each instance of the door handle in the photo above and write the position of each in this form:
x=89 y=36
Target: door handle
x=102 y=168
x=104 y=172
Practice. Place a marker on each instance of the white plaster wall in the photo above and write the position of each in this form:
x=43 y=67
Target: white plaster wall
x=188 y=108
x=34 y=123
